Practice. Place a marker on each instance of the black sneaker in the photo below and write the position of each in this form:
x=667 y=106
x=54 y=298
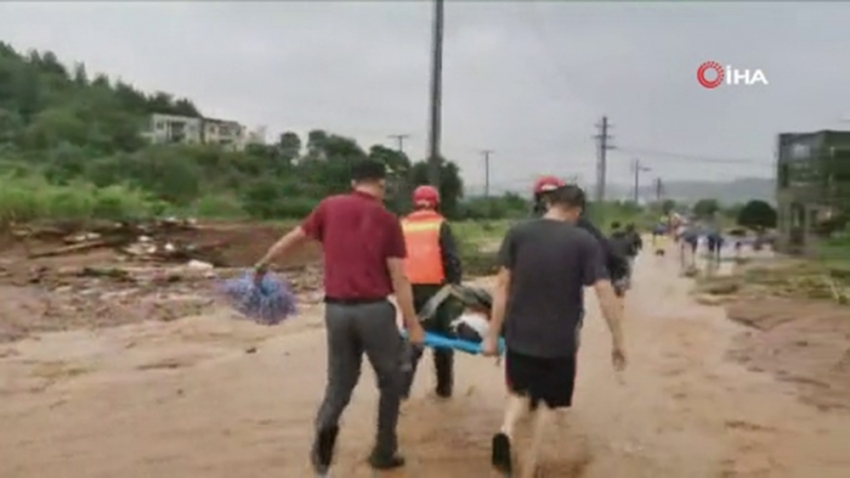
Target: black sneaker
x=380 y=461
x=501 y=458
x=323 y=449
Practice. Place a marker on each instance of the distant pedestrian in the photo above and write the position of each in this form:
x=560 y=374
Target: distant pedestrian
x=364 y=254
x=715 y=242
x=688 y=248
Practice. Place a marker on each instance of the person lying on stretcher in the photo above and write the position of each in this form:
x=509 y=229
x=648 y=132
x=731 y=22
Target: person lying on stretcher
x=473 y=324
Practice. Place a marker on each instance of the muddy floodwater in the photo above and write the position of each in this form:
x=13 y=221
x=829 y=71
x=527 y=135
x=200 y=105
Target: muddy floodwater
x=209 y=396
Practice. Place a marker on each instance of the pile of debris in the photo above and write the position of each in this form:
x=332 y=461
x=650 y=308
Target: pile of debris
x=157 y=240
x=803 y=280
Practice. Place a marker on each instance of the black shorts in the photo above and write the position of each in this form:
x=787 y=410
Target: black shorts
x=547 y=380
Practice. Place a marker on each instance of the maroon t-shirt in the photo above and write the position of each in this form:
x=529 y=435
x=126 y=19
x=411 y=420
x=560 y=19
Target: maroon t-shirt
x=358 y=235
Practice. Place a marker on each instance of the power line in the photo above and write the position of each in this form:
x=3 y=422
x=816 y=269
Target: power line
x=486 y=153
x=637 y=169
x=602 y=152
x=672 y=156
x=400 y=140
x=436 y=96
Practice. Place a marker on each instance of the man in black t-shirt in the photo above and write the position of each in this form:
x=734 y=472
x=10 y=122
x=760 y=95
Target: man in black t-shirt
x=539 y=297
x=623 y=244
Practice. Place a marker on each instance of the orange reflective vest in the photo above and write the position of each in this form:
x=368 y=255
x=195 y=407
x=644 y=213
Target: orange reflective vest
x=424 y=263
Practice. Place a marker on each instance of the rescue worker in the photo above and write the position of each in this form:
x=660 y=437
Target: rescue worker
x=432 y=262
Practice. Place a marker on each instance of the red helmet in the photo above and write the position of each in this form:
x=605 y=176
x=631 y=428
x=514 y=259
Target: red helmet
x=546 y=184
x=427 y=195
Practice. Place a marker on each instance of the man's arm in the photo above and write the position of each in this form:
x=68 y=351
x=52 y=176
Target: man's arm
x=594 y=274
x=403 y=291
x=451 y=259
x=395 y=254
x=500 y=302
x=283 y=246
x=507 y=257
x=313 y=227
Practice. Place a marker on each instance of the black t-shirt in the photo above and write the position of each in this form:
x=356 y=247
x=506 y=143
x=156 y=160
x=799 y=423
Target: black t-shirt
x=622 y=244
x=550 y=262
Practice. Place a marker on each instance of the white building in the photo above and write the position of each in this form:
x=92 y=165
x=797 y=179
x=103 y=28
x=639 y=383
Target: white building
x=164 y=128
x=229 y=134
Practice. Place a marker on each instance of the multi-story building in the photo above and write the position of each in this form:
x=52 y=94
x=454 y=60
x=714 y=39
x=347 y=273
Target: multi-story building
x=226 y=133
x=812 y=186
x=164 y=128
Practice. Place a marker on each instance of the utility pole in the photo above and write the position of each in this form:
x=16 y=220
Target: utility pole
x=486 y=153
x=601 y=167
x=400 y=140
x=659 y=189
x=637 y=169
x=436 y=96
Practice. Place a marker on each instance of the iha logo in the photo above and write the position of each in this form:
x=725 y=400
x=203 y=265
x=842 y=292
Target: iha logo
x=712 y=74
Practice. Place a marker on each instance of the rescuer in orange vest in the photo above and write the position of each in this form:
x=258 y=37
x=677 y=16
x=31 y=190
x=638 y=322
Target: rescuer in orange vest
x=432 y=261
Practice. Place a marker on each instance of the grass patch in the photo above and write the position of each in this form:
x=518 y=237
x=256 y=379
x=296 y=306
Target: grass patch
x=478 y=243
x=24 y=199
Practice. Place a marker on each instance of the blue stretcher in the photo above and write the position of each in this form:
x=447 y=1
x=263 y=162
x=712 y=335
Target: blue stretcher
x=437 y=341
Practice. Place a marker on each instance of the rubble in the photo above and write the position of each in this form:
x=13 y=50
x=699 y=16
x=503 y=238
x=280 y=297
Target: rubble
x=108 y=273
x=804 y=280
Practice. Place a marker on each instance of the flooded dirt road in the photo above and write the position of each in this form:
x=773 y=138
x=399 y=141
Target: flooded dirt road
x=214 y=397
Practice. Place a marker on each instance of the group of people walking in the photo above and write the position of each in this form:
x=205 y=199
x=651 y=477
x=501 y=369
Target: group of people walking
x=538 y=302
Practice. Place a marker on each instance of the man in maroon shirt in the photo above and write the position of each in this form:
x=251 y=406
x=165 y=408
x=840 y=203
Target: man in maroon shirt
x=364 y=253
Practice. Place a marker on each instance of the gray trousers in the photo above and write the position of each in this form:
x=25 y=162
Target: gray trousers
x=353 y=329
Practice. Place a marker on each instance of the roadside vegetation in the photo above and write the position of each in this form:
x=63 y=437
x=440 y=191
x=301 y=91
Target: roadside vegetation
x=72 y=148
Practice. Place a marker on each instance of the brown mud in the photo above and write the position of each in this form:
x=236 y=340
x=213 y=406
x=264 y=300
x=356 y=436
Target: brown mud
x=105 y=387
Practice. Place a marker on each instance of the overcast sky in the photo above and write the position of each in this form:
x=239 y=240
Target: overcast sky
x=525 y=79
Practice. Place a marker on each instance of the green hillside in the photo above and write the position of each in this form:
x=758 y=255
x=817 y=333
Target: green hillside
x=70 y=146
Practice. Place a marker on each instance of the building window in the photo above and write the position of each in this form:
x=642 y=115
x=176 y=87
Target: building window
x=160 y=125
x=784 y=174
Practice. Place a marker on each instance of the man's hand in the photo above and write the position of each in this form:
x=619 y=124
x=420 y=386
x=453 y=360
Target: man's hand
x=415 y=333
x=618 y=358
x=259 y=272
x=490 y=346
x=612 y=310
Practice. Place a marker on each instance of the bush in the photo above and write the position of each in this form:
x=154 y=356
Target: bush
x=224 y=206
x=32 y=197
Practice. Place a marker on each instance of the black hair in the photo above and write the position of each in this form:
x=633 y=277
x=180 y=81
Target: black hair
x=569 y=196
x=368 y=170
x=615 y=225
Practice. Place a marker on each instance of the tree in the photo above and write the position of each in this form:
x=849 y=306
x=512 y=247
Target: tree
x=81 y=78
x=289 y=146
x=77 y=131
x=706 y=208
x=757 y=214
x=668 y=206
